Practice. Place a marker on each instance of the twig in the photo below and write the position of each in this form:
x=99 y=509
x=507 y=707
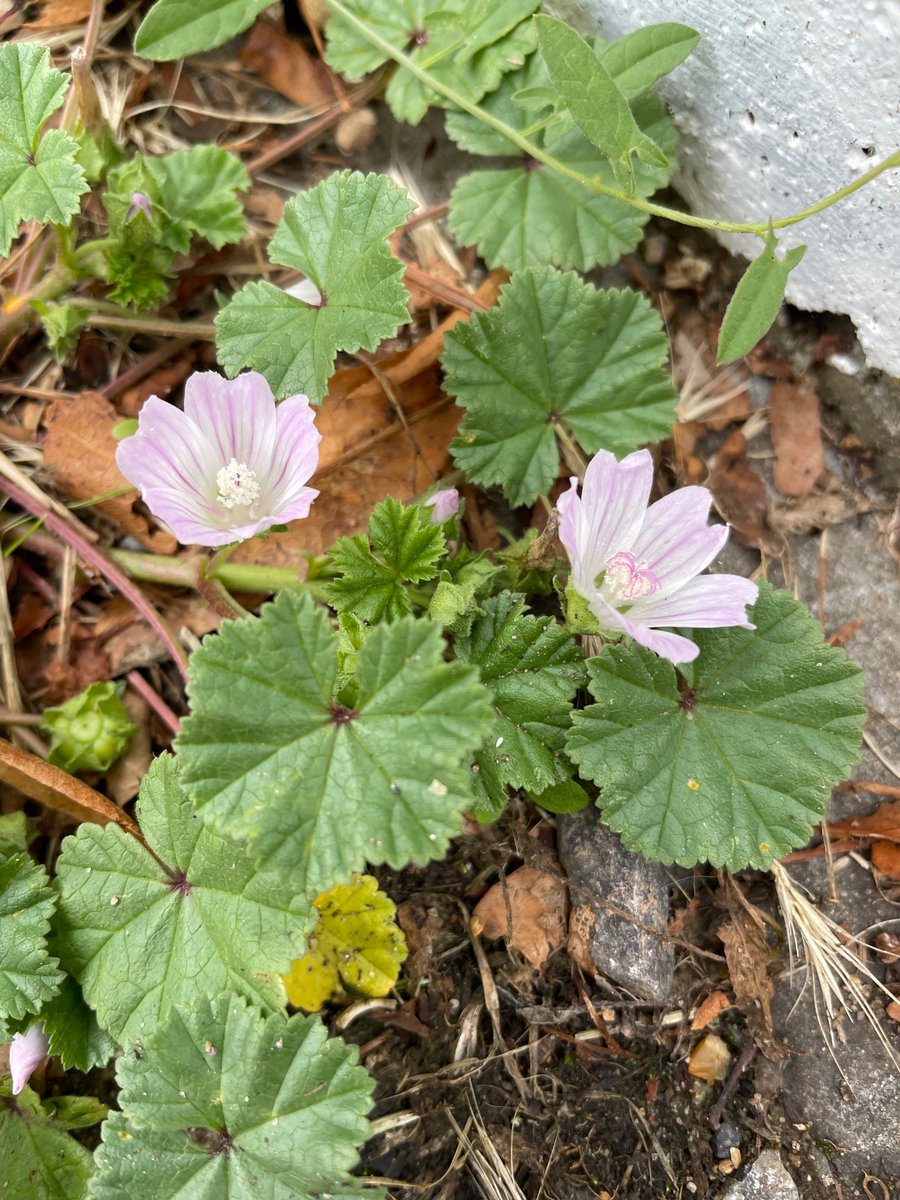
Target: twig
x=154 y=700
x=745 y=1057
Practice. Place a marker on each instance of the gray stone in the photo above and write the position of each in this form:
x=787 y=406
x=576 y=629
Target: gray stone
x=778 y=106
x=870 y=404
x=860 y=584
x=848 y=1098
x=766 y=1179
x=605 y=878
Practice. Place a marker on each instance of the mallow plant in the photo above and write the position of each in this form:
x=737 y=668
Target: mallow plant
x=354 y=719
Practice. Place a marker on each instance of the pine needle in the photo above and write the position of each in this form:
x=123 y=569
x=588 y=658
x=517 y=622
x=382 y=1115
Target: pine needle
x=833 y=969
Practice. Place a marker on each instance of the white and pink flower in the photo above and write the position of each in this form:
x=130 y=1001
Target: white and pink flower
x=231 y=465
x=638 y=568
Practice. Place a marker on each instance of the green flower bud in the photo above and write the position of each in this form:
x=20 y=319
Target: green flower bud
x=90 y=731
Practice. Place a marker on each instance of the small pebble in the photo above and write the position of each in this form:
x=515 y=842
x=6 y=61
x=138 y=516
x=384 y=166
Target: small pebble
x=727 y=1138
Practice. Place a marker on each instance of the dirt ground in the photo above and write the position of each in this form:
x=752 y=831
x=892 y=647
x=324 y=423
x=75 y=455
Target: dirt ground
x=497 y=1079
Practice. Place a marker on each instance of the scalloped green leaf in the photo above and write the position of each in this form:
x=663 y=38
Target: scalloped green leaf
x=731 y=758
x=224 y=1101
x=528 y=214
x=177 y=28
x=402 y=546
x=29 y=976
x=38 y=1159
x=140 y=936
x=317 y=784
x=466 y=44
x=40 y=178
x=336 y=234
x=756 y=301
x=554 y=350
x=534 y=667
x=73 y=1031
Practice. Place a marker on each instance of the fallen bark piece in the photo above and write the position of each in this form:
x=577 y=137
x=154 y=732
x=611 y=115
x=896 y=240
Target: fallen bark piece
x=620 y=908
x=534 y=903
x=710 y=1059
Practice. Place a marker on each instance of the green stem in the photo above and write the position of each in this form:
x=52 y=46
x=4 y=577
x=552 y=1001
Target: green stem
x=760 y=228
x=236 y=577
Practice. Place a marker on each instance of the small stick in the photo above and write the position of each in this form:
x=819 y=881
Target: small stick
x=744 y=1059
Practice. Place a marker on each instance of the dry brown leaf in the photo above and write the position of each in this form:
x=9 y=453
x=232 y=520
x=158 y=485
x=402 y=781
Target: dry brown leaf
x=886 y=859
x=710 y=1059
x=714 y=1003
x=883 y=823
x=80 y=452
x=422 y=926
x=740 y=492
x=796 y=439
x=87 y=663
x=578 y=946
x=528 y=908
x=58 y=789
x=747 y=955
x=816 y=511
x=285 y=64
x=60 y=14
x=161 y=382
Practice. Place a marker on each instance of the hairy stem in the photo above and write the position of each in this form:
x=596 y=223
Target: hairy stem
x=236 y=577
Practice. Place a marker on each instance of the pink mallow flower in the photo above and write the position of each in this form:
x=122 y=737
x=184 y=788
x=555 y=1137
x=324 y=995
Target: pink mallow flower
x=639 y=568
x=26 y=1052
x=444 y=505
x=232 y=464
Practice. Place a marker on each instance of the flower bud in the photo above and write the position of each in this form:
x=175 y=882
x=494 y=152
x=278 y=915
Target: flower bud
x=26 y=1052
x=445 y=504
x=90 y=731
x=139 y=203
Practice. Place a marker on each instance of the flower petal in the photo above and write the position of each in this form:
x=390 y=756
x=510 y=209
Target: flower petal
x=672 y=646
x=676 y=542
x=709 y=602
x=612 y=509
x=296 y=454
x=165 y=452
x=194 y=520
x=668 y=645
x=235 y=416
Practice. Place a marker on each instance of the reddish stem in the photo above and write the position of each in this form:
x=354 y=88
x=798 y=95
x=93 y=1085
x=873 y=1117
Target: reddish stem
x=98 y=560
x=156 y=702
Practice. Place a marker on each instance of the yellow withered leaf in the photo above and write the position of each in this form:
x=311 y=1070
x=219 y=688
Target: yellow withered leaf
x=355 y=947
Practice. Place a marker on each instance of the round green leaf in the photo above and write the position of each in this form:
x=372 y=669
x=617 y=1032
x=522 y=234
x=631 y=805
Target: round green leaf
x=732 y=758
x=225 y=1102
x=316 y=783
x=141 y=936
x=555 y=349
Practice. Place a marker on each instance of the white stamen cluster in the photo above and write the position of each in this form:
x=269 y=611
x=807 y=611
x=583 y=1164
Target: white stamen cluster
x=237 y=485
